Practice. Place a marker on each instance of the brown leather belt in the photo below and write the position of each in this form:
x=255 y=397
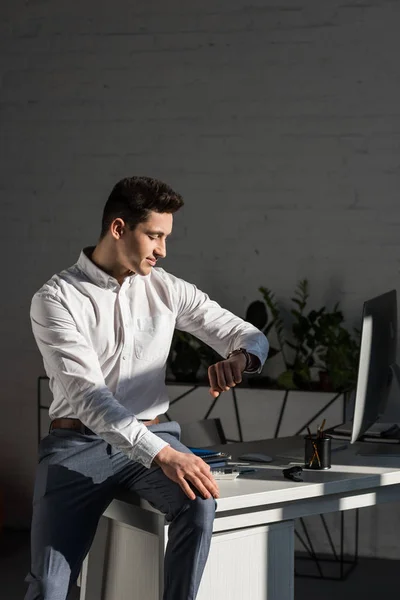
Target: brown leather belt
x=77 y=425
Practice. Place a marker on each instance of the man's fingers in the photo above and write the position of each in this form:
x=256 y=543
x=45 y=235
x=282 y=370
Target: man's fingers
x=213 y=487
x=196 y=481
x=193 y=471
x=221 y=376
x=187 y=489
x=203 y=480
x=229 y=375
x=205 y=485
x=236 y=372
x=213 y=378
x=202 y=486
x=209 y=482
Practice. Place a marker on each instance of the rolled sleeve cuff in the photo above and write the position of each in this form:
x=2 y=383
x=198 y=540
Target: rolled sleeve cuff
x=258 y=362
x=260 y=353
x=258 y=370
x=147 y=448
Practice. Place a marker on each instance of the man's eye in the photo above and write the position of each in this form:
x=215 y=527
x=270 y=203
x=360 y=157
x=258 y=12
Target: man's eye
x=152 y=237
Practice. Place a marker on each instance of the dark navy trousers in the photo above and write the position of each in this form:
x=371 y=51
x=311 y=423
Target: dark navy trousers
x=77 y=477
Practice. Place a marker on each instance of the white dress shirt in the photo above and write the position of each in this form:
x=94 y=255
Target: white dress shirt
x=105 y=346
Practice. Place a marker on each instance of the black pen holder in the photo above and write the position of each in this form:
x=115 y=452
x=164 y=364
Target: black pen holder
x=317 y=452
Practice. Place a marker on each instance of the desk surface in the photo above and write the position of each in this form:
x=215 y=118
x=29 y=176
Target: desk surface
x=377 y=478
x=253 y=541
x=349 y=473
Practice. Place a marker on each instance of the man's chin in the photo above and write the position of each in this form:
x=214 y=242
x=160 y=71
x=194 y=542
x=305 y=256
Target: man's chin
x=144 y=269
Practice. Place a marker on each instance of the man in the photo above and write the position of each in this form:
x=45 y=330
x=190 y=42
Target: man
x=104 y=328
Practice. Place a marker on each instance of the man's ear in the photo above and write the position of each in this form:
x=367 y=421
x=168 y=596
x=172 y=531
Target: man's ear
x=118 y=228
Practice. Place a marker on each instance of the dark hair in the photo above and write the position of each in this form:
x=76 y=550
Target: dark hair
x=133 y=198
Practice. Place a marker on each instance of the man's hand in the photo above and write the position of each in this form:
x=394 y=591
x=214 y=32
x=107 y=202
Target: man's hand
x=184 y=468
x=226 y=374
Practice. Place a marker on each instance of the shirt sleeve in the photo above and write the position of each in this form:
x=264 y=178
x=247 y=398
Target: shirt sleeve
x=217 y=327
x=74 y=364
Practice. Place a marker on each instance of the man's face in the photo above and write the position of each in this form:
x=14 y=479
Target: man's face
x=146 y=243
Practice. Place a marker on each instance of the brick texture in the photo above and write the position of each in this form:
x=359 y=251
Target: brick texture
x=278 y=121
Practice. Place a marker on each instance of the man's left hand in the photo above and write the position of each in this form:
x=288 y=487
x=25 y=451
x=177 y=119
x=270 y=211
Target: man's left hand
x=226 y=374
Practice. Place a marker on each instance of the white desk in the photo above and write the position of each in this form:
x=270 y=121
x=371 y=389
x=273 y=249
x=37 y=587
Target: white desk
x=252 y=550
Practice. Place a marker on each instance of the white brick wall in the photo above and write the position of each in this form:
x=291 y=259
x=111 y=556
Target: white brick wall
x=278 y=121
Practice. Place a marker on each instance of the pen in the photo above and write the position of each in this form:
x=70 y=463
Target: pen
x=315 y=455
x=321 y=428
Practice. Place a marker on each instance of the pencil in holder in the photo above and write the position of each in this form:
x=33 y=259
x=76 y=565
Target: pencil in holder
x=317 y=452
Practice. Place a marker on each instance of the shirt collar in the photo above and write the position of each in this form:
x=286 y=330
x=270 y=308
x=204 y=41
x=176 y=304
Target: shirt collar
x=97 y=275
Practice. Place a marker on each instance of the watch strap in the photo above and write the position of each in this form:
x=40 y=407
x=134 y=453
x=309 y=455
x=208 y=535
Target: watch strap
x=246 y=354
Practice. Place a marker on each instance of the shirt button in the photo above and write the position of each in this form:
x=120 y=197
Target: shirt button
x=124 y=358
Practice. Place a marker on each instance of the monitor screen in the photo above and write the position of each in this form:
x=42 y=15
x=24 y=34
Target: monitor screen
x=377 y=356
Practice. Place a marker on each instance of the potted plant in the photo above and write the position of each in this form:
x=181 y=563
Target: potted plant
x=338 y=352
x=315 y=342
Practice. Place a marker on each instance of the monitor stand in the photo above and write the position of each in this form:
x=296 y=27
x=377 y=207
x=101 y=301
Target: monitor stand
x=383 y=437
x=387 y=428
x=387 y=432
x=379 y=432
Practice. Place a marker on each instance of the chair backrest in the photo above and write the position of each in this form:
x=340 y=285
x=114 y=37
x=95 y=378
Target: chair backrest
x=208 y=432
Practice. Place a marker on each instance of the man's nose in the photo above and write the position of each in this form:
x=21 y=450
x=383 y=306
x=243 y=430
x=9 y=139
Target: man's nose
x=161 y=250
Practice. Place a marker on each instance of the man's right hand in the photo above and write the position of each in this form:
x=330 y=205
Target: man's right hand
x=184 y=468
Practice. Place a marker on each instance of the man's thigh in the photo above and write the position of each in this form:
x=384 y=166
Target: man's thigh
x=73 y=487
x=152 y=484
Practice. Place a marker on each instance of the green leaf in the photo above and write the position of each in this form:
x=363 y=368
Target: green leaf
x=299 y=303
x=285 y=380
x=313 y=316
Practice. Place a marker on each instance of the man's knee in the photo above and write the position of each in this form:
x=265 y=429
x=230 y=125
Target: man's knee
x=201 y=513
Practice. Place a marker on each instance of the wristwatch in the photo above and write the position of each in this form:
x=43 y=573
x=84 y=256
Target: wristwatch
x=246 y=354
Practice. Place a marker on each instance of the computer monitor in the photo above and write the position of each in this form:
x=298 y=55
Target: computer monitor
x=377 y=362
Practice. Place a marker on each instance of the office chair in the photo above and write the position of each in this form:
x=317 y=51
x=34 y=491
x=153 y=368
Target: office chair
x=207 y=432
